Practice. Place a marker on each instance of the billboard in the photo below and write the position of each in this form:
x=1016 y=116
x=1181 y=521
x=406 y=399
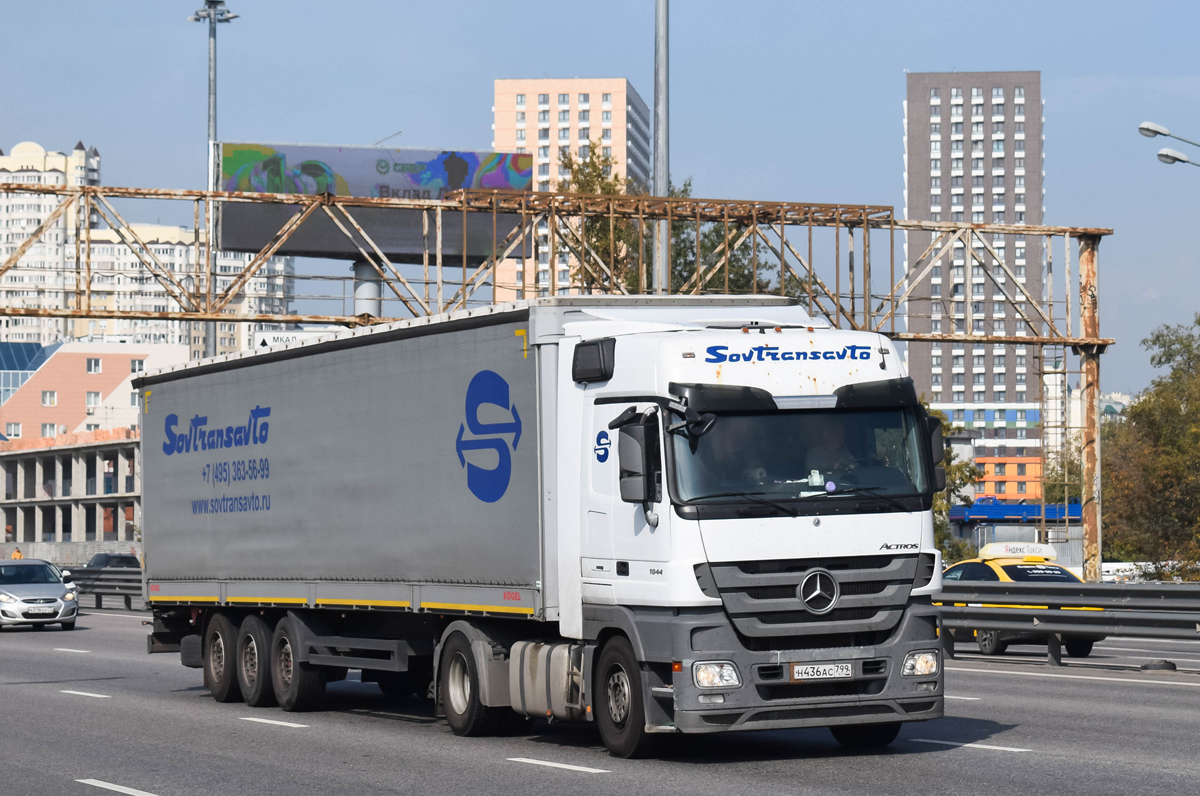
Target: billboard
x=363 y=172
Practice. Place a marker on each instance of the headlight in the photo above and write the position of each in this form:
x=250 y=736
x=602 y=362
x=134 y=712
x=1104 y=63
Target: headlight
x=7 y=598
x=920 y=664
x=718 y=674
x=69 y=596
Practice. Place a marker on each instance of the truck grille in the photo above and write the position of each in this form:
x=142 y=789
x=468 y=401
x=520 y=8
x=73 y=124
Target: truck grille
x=760 y=597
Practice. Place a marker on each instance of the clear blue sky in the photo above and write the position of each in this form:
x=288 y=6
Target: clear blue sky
x=769 y=100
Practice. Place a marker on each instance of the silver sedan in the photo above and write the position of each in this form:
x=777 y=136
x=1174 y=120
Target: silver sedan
x=32 y=592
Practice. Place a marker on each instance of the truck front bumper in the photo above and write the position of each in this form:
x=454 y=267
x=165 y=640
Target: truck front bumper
x=768 y=697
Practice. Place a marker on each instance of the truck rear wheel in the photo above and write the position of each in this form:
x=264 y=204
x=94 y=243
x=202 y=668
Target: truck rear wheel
x=298 y=686
x=465 y=712
x=618 y=704
x=254 y=663
x=220 y=652
x=1078 y=647
x=865 y=736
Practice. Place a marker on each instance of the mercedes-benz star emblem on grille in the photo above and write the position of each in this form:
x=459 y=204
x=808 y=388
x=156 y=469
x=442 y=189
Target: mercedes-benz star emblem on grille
x=818 y=591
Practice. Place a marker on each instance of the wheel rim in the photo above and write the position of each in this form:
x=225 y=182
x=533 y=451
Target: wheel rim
x=987 y=638
x=216 y=656
x=250 y=661
x=618 y=691
x=284 y=665
x=459 y=684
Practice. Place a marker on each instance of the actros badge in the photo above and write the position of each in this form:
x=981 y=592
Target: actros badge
x=489 y=485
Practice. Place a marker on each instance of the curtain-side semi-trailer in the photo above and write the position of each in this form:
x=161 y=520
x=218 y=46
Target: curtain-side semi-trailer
x=663 y=515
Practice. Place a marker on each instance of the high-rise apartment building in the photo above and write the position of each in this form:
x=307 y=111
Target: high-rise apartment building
x=973 y=153
x=548 y=116
x=45 y=277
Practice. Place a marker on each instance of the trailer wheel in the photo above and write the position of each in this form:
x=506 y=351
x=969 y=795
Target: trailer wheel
x=298 y=686
x=619 y=704
x=1078 y=647
x=866 y=736
x=254 y=663
x=460 y=690
x=220 y=653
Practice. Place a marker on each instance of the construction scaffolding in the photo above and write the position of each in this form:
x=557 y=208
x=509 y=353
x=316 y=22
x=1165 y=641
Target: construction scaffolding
x=838 y=260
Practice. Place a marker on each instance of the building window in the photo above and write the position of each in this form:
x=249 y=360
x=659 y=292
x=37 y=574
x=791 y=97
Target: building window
x=1020 y=415
x=935 y=111
x=12 y=430
x=49 y=430
x=977 y=218
x=520 y=100
x=1000 y=469
x=606 y=97
x=998 y=127
x=520 y=135
x=543 y=116
x=606 y=116
x=935 y=93
x=543 y=99
x=959 y=398
x=543 y=169
x=935 y=164
x=564 y=134
x=92 y=427
x=564 y=99
x=1020 y=487
x=606 y=134
x=584 y=151
x=606 y=151
x=49 y=398
x=1001 y=487
x=93 y=365
x=958 y=416
x=544 y=134
x=1021 y=469
x=137 y=365
x=1020 y=433
x=93 y=399
x=584 y=99
x=520 y=116
x=935 y=147
x=584 y=133
x=543 y=152
x=935 y=129
x=1019 y=93
x=564 y=116
x=135 y=398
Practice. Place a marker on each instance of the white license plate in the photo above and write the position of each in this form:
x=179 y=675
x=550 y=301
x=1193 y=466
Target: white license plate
x=821 y=671
x=41 y=609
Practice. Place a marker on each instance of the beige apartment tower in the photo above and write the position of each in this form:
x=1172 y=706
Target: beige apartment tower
x=546 y=116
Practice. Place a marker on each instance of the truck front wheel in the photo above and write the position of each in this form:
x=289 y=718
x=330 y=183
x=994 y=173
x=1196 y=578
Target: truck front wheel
x=618 y=702
x=465 y=712
x=220 y=654
x=298 y=686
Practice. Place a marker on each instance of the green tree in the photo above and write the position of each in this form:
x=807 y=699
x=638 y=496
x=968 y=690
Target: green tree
x=961 y=475
x=614 y=241
x=1151 y=462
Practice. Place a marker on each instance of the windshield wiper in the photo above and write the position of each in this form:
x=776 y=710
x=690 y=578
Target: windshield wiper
x=874 y=491
x=754 y=496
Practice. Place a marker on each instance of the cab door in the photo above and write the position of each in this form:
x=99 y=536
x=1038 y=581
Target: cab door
x=620 y=549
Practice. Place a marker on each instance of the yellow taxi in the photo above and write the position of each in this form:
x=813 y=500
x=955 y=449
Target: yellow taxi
x=1016 y=562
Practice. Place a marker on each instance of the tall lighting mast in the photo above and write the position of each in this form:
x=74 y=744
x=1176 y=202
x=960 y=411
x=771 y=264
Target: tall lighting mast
x=214 y=11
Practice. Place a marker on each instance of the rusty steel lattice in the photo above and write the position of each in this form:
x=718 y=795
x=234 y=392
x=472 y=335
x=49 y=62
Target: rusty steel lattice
x=822 y=254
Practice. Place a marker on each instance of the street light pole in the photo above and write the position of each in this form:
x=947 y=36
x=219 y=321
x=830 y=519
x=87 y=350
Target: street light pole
x=662 y=176
x=214 y=11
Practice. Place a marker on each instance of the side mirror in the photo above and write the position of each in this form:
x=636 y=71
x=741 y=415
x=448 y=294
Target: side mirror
x=66 y=576
x=939 y=479
x=937 y=445
x=638 y=457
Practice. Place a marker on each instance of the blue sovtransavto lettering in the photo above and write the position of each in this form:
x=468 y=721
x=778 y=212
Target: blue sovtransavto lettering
x=764 y=353
x=199 y=437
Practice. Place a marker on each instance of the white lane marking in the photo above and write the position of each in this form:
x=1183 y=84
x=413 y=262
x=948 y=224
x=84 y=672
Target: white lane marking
x=971 y=745
x=130 y=616
x=548 y=764
x=273 y=721
x=68 y=649
x=118 y=788
x=87 y=694
x=972 y=699
x=1076 y=677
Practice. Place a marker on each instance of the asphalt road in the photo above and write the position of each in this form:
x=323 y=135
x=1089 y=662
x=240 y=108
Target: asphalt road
x=88 y=712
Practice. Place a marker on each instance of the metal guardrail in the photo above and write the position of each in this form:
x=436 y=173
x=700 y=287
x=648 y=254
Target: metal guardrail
x=1142 y=610
x=125 y=582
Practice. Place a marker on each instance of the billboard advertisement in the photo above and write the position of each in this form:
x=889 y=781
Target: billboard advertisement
x=363 y=172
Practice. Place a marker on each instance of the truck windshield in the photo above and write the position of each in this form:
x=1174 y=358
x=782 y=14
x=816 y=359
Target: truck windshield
x=808 y=454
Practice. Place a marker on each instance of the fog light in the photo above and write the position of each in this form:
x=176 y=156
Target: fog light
x=715 y=674
x=9 y=614
x=711 y=699
x=920 y=664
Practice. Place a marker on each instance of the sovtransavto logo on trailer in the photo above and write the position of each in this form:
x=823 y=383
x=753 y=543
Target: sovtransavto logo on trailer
x=488 y=388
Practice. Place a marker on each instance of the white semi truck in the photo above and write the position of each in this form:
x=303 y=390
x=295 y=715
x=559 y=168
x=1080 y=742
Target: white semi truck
x=661 y=515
